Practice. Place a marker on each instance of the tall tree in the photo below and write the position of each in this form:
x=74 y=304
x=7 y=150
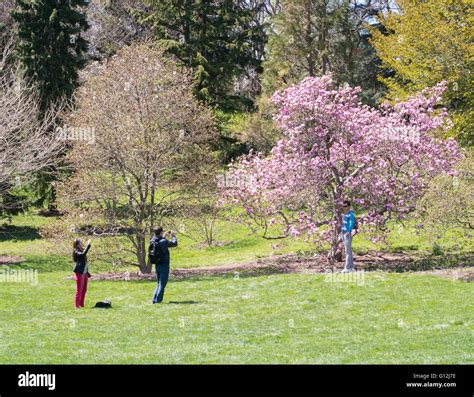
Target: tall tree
x=7 y=36
x=51 y=52
x=6 y=21
x=426 y=42
x=50 y=47
x=219 y=39
x=448 y=204
x=335 y=148
x=151 y=146
x=27 y=146
x=315 y=37
x=112 y=26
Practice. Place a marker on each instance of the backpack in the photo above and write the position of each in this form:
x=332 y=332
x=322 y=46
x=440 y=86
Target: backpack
x=154 y=252
x=104 y=305
x=356 y=224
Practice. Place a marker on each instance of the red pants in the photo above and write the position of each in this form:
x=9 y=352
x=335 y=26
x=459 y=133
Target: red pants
x=81 y=288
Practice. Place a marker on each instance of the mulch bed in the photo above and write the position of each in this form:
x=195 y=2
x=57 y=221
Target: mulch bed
x=467 y=276
x=285 y=264
x=11 y=260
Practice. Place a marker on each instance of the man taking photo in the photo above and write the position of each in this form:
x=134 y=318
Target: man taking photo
x=159 y=255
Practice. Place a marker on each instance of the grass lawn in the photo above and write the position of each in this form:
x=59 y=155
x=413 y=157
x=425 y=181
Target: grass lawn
x=279 y=318
x=298 y=318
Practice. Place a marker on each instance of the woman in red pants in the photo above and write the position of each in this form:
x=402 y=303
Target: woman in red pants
x=80 y=258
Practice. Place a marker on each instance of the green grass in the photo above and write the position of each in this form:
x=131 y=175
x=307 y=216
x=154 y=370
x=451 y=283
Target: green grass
x=390 y=318
x=297 y=318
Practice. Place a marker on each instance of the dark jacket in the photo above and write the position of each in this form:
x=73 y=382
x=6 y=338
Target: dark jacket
x=80 y=257
x=163 y=247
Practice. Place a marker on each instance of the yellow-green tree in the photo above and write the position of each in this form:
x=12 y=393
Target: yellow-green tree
x=425 y=42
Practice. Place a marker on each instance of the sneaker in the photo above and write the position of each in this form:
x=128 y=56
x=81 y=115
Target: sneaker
x=347 y=270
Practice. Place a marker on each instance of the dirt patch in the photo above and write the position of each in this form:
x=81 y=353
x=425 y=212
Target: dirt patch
x=285 y=264
x=463 y=273
x=10 y=260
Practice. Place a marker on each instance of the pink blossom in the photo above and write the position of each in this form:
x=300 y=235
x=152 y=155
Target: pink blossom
x=335 y=148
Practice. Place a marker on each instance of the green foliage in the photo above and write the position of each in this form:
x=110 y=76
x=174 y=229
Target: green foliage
x=449 y=202
x=229 y=145
x=257 y=129
x=312 y=38
x=426 y=42
x=50 y=46
x=437 y=249
x=218 y=40
x=19 y=197
x=51 y=52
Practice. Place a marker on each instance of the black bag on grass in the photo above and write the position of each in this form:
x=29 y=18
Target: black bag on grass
x=104 y=305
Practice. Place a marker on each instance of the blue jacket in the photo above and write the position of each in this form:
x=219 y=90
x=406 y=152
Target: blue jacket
x=348 y=222
x=163 y=246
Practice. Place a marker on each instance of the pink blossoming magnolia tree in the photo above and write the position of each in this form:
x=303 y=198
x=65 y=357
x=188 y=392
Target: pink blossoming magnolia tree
x=335 y=148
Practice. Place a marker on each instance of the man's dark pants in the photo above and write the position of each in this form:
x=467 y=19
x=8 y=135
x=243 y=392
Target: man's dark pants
x=162 y=275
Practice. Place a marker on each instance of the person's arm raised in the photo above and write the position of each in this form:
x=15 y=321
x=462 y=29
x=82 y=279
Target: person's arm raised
x=82 y=253
x=173 y=242
x=88 y=246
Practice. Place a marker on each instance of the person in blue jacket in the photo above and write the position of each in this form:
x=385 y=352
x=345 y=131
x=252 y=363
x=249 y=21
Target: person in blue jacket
x=162 y=265
x=348 y=230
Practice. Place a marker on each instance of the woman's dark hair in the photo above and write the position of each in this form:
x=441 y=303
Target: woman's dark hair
x=76 y=246
x=77 y=243
x=347 y=202
x=158 y=230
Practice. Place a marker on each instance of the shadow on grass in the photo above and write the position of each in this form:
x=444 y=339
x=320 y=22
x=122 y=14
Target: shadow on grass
x=264 y=271
x=182 y=302
x=45 y=263
x=22 y=233
x=54 y=263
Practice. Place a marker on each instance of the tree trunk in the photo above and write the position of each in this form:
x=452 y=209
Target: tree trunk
x=335 y=253
x=142 y=255
x=52 y=207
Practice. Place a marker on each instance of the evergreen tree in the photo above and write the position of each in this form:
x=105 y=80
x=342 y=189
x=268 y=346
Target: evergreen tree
x=219 y=39
x=50 y=48
x=51 y=52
